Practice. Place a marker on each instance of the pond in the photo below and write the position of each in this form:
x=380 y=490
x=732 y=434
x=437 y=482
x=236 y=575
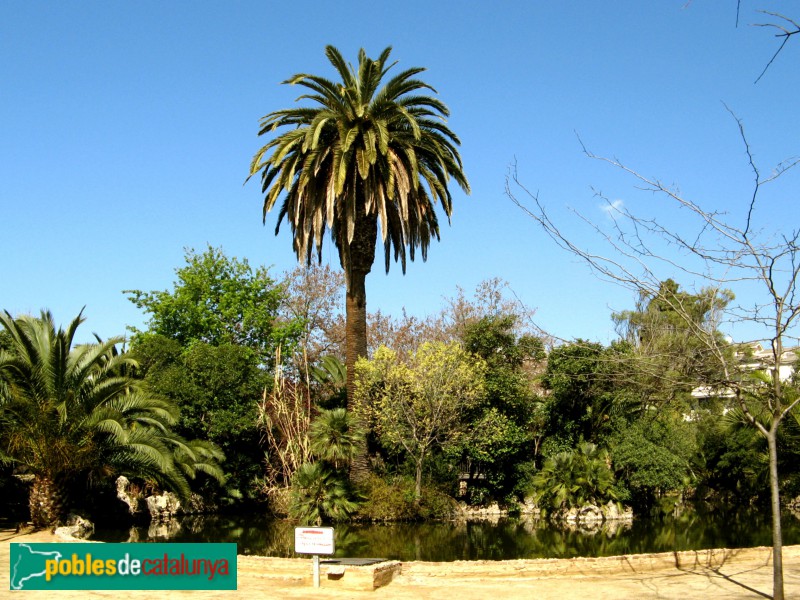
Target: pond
x=504 y=539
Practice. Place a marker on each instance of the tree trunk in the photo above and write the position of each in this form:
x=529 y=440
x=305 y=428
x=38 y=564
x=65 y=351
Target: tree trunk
x=777 y=535
x=418 y=483
x=356 y=328
x=356 y=347
x=46 y=502
x=356 y=259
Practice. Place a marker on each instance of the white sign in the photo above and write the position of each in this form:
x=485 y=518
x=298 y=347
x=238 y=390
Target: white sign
x=314 y=540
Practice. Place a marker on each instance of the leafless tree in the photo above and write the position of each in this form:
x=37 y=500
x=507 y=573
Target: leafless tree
x=715 y=251
x=314 y=296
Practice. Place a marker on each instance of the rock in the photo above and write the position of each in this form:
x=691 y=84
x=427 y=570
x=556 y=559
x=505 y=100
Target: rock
x=529 y=507
x=163 y=507
x=590 y=514
x=613 y=513
x=128 y=496
x=76 y=528
x=491 y=513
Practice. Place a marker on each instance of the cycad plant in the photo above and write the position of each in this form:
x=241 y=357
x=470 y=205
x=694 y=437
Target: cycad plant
x=320 y=489
x=74 y=413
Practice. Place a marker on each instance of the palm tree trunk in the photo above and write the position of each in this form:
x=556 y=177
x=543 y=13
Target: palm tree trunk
x=356 y=347
x=357 y=258
x=46 y=502
x=356 y=328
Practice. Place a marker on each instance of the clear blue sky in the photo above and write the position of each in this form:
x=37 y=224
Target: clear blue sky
x=127 y=128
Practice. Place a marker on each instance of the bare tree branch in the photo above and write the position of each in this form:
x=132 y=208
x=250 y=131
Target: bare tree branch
x=785 y=33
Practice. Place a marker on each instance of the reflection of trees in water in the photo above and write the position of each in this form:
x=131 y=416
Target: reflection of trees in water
x=403 y=541
x=483 y=540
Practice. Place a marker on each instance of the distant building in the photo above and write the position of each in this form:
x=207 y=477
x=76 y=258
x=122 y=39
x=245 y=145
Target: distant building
x=755 y=357
x=752 y=357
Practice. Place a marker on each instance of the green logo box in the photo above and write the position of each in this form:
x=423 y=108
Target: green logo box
x=82 y=566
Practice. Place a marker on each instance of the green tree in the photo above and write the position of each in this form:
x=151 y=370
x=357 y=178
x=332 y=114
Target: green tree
x=368 y=151
x=318 y=494
x=208 y=347
x=586 y=394
x=420 y=405
x=73 y=413
x=219 y=300
x=217 y=389
x=335 y=438
x=669 y=359
x=503 y=421
x=735 y=464
x=654 y=455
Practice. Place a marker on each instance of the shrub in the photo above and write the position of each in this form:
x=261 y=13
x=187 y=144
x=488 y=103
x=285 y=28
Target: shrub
x=319 y=494
x=393 y=499
x=575 y=479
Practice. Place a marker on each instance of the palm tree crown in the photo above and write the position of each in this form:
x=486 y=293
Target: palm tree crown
x=361 y=153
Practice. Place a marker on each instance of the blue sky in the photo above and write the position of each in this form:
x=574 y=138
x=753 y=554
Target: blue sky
x=127 y=128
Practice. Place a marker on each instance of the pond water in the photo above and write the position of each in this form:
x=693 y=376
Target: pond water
x=504 y=539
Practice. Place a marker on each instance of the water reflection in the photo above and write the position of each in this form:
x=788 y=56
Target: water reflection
x=505 y=539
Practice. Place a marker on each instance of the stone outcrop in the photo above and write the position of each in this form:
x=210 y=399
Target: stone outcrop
x=76 y=528
x=163 y=507
x=492 y=513
x=593 y=514
x=129 y=497
x=589 y=514
x=160 y=507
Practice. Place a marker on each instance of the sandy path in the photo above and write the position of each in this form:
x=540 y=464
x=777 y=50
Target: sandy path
x=736 y=574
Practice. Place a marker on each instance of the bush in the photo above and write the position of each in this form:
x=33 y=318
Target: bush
x=319 y=494
x=575 y=479
x=392 y=499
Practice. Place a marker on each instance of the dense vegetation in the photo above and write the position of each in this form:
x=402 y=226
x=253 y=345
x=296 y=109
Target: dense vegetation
x=466 y=405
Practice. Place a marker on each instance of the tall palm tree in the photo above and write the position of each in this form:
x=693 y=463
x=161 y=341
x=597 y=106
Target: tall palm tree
x=73 y=413
x=366 y=152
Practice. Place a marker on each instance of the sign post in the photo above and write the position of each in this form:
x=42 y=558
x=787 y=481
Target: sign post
x=314 y=541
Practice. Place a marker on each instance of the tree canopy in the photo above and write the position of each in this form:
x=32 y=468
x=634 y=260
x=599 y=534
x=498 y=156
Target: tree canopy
x=219 y=300
x=419 y=406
